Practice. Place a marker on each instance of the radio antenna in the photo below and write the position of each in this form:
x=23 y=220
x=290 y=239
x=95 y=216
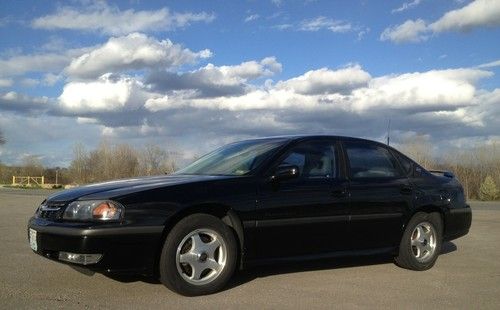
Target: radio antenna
x=389 y=132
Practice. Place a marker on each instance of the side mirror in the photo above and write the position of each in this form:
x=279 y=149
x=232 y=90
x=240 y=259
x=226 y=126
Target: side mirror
x=417 y=171
x=286 y=172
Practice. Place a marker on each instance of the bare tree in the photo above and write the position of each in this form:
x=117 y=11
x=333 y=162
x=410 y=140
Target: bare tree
x=79 y=165
x=419 y=149
x=151 y=159
x=32 y=166
x=2 y=138
x=122 y=161
x=154 y=160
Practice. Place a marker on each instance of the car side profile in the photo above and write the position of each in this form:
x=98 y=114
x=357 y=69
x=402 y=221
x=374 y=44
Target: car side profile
x=256 y=201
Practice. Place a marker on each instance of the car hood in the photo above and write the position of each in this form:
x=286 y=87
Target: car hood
x=138 y=184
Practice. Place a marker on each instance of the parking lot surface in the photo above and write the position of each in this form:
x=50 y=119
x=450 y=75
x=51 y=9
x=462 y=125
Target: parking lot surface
x=466 y=276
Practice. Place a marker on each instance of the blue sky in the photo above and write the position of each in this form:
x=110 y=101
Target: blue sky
x=191 y=75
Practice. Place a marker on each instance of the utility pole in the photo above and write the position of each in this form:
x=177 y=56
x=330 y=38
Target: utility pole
x=57 y=172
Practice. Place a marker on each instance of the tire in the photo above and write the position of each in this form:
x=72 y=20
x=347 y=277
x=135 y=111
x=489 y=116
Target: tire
x=199 y=256
x=421 y=242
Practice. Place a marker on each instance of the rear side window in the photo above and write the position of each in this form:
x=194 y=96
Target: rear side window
x=405 y=162
x=370 y=161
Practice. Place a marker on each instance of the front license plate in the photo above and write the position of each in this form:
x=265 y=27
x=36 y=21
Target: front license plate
x=33 y=244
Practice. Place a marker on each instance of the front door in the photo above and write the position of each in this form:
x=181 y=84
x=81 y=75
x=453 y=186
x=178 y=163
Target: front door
x=306 y=215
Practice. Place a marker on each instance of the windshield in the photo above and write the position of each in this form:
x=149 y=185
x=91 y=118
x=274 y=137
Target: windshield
x=234 y=159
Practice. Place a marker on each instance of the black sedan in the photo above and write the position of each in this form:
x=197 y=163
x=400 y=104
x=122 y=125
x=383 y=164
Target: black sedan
x=255 y=201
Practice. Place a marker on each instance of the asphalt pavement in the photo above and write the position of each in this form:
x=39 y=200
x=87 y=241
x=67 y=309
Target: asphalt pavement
x=466 y=276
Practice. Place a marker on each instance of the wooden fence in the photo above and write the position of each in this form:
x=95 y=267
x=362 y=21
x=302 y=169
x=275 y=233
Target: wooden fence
x=28 y=181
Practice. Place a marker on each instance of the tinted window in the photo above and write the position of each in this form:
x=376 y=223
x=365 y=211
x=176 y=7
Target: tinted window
x=314 y=159
x=405 y=162
x=234 y=159
x=370 y=161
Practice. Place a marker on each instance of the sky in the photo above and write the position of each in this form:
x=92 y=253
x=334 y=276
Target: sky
x=192 y=75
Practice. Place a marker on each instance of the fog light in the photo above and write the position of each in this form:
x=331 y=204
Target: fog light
x=82 y=259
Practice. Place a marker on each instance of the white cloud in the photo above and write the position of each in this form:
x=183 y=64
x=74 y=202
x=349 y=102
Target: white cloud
x=476 y=14
x=38 y=62
x=158 y=104
x=107 y=19
x=406 y=6
x=50 y=79
x=86 y=120
x=322 y=22
x=215 y=81
x=29 y=82
x=6 y=82
x=492 y=64
x=108 y=93
x=252 y=69
x=252 y=17
x=277 y=2
x=435 y=89
x=5 y=20
x=409 y=31
x=324 y=81
x=20 y=103
x=282 y=26
x=132 y=52
x=351 y=90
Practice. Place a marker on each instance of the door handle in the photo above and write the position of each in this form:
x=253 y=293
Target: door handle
x=339 y=192
x=406 y=190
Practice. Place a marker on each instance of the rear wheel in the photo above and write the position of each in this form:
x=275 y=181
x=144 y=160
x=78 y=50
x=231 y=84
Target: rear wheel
x=199 y=256
x=421 y=242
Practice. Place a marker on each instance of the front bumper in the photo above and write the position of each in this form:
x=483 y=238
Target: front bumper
x=124 y=248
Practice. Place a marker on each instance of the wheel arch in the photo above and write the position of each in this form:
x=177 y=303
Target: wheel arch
x=427 y=209
x=225 y=213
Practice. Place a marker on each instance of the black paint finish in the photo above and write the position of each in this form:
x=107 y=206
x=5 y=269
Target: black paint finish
x=273 y=219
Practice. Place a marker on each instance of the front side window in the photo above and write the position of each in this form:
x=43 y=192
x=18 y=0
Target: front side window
x=370 y=161
x=314 y=159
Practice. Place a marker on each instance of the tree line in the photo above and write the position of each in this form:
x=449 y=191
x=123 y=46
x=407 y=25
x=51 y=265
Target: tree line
x=478 y=168
x=106 y=162
x=109 y=162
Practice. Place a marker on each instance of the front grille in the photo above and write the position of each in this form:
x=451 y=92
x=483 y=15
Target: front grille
x=51 y=210
x=51 y=215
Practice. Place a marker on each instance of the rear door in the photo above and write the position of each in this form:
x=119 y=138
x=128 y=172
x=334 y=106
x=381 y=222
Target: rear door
x=380 y=195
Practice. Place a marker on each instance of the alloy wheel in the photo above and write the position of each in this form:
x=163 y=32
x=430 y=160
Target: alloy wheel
x=423 y=242
x=201 y=256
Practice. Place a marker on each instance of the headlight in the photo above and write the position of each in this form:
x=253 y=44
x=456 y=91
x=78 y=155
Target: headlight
x=101 y=210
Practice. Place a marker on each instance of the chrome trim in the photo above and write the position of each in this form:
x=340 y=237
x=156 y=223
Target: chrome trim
x=47 y=208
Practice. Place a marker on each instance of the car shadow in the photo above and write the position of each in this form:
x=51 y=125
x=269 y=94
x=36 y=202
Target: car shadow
x=250 y=274
x=269 y=270
x=261 y=271
x=448 y=247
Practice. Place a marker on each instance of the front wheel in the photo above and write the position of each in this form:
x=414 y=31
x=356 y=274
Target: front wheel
x=199 y=256
x=421 y=242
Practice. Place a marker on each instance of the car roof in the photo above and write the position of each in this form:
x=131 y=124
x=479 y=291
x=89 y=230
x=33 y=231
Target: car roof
x=311 y=136
x=305 y=137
